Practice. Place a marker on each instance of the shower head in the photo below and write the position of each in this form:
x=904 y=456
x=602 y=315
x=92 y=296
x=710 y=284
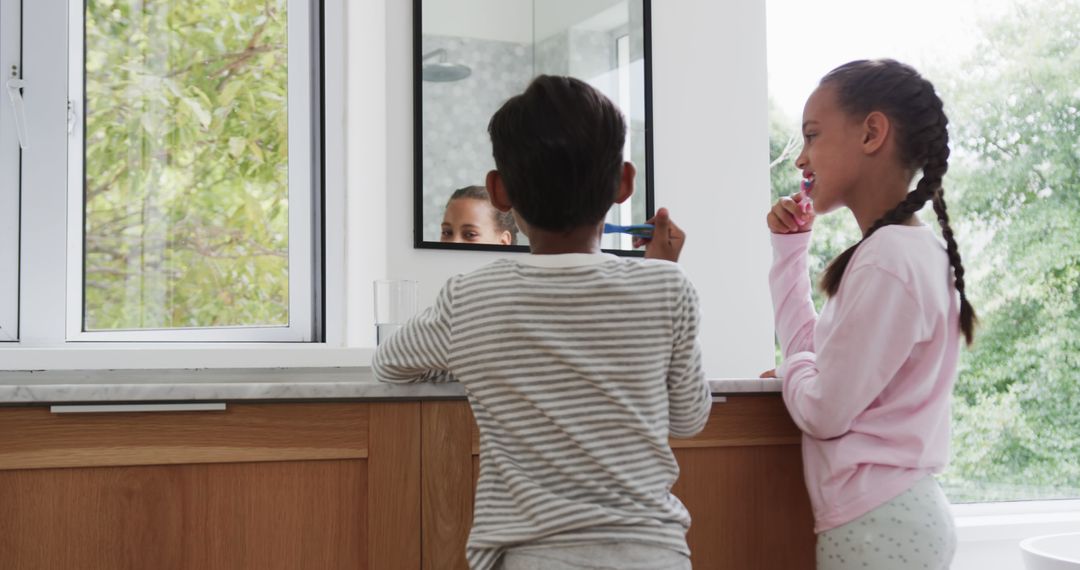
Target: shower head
x=442 y=70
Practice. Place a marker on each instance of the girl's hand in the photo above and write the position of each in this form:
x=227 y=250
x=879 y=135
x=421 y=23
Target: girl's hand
x=668 y=238
x=791 y=215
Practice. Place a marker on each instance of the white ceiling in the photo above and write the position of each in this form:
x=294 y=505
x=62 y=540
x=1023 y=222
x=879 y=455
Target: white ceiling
x=512 y=20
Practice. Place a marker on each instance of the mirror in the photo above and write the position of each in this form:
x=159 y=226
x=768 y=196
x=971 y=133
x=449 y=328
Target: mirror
x=470 y=56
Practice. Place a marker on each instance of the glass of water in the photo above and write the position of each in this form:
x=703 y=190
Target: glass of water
x=395 y=303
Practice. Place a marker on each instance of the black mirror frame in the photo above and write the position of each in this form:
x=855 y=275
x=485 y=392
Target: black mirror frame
x=418 y=160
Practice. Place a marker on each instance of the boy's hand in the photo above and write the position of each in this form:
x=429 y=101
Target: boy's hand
x=791 y=215
x=668 y=238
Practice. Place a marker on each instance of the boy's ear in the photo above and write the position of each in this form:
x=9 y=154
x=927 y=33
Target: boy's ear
x=497 y=192
x=626 y=182
x=876 y=129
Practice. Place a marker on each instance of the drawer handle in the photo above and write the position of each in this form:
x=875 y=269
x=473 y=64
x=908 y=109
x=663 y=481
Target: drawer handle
x=112 y=408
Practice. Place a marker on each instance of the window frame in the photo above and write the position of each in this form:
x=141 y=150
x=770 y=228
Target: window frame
x=62 y=319
x=10 y=153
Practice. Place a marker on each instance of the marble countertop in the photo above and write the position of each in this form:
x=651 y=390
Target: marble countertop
x=179 y=385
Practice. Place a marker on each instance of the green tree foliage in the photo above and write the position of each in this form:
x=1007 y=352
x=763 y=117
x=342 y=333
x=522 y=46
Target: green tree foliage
x=186 y=164
x=1017 y=131
x=1014 y=199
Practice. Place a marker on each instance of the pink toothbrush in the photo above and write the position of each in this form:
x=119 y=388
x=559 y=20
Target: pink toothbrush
x=806 y=205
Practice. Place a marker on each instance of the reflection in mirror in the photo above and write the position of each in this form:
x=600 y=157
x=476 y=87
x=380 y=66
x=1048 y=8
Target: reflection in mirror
x=470 y=218
x=473 y=55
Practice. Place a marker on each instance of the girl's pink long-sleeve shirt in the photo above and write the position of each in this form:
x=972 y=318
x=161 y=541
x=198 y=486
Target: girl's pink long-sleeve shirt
x=868 y=381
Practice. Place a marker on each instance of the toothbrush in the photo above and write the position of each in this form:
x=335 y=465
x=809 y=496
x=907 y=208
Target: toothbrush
x=640 y=230
x=807 y=203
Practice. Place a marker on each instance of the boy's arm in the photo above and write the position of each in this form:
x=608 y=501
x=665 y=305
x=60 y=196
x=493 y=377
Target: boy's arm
x=689 y=398
x=419 y=351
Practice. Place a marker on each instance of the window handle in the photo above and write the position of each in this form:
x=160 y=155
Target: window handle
x=72 y=116
x=14 y=88
x=115 y=408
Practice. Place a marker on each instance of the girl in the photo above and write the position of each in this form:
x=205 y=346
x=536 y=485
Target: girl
x=869 y=380
x=470 y=218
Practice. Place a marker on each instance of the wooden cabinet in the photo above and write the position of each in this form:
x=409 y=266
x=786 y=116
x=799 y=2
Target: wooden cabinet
x=741 y=479
x=319 y=486
x=358 y=485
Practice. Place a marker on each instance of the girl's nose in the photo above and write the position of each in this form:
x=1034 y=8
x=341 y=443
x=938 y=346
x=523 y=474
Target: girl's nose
x=800 y=162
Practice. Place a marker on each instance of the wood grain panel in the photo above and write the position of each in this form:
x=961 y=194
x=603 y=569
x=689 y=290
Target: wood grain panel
x=741 y=479
x=448 y=484
x=281 y=515
x=394 y=486
x=746 y=420
x=34 y=438
x=749 y=507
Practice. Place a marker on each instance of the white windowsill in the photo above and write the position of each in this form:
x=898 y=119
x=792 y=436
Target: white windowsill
x=129 y=356
x=1015 y=520
x=989 y=534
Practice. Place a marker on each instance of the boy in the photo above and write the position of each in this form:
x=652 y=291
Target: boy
x=578 y=365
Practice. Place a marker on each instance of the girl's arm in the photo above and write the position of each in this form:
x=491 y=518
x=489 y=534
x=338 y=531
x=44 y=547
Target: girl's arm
x=419 y=351
x=875 y=327
x=689 y=397
x=789 y=281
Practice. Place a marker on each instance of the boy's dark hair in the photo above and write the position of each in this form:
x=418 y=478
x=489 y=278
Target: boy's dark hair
x=504 y=221
x=559 y=149
x=918 y=117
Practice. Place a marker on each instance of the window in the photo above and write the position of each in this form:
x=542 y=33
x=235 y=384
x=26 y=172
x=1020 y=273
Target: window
x=192 y=178
x=10 y=104
x=624 y=214
x=1009 y=74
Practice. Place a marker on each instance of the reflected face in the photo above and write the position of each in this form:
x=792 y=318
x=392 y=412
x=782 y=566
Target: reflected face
x=468 y=220
x=831 y=149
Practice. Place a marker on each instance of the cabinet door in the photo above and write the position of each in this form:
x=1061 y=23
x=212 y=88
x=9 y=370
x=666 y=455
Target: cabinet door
x=320 y=486
x=449 y=469
x=741 y=480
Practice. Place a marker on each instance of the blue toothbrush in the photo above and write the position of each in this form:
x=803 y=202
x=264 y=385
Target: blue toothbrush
x=639 y=230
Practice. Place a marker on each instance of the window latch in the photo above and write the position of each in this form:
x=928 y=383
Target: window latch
x=72 y=116
x=15 y=85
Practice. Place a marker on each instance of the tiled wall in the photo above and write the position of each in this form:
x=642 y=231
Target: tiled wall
x=457 y=150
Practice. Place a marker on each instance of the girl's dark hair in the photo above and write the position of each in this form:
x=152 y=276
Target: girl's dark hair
x=919 y=121
x=504 y=221
x=559 y=149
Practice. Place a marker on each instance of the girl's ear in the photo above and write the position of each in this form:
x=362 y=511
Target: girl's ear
x=505 y=238
x=497 y=192
x=876 y=128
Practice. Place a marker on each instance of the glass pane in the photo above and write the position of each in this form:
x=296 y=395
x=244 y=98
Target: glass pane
x=602 y=42
x=9 y=171
x=186 y=148
x=1009 y=74
x=475 y=54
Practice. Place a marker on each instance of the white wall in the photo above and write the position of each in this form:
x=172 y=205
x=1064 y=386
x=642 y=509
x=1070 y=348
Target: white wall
x=710 y=116
x=366 y=187
x=711 y=145
x=497 y=20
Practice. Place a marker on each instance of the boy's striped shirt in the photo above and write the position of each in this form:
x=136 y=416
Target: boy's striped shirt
x=578 y=367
